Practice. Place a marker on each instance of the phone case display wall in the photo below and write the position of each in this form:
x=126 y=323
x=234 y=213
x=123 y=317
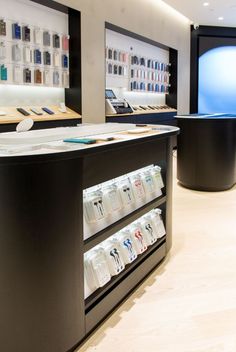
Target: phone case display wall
x=111 y=256
x=149 y=75
x=117 y=62
x=33 y=55
x=144 y=74
x=144 y=67
x=106 y=203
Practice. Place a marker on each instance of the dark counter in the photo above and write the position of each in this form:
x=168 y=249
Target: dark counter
x=207 y=152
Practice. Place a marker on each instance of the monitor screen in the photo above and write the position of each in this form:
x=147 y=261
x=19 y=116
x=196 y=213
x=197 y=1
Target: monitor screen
x=110 y=94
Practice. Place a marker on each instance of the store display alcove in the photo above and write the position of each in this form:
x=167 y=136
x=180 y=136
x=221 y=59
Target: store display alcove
x=65 y=22
x=207 y=152
x=125 y=42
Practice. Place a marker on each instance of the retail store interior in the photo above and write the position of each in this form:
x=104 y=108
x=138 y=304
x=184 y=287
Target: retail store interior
x=117 y=175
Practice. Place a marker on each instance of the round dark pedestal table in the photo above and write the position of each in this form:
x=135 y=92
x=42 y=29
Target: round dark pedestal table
x=207 y=152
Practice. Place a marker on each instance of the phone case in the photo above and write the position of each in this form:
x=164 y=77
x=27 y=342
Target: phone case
x=27 y=75
x=37 y=36
x=16 y=53
x=26 y=33
x=65 y=42
x=56 y=59
x=56 y=78
x=64 y=61
x=46 y=38
x=16 y=31
x=3 y=51
x=56 y=41
x=47 y=58
x=65 y=78
x=27 y=55
x=3 y=28
x=3 y=72
x=46 y=78
x=38 y=76
x=17 y=74
x=37 y=56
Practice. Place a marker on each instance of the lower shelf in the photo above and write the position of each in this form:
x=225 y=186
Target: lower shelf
x=104 y=300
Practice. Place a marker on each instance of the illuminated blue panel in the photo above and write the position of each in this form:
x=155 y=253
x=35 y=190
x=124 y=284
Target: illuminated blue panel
x=217 y=81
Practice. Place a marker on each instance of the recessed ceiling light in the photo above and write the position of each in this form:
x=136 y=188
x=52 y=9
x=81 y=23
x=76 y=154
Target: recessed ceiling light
x=206 y=4
x=220 y=18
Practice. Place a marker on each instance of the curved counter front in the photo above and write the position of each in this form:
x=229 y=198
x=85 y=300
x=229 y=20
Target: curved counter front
x=207 y=152
x=42 y=245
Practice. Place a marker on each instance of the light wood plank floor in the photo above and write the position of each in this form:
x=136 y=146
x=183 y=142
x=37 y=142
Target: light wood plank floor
x=189 y=303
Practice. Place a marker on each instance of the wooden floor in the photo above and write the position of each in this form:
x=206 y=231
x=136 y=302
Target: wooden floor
x=189 y=303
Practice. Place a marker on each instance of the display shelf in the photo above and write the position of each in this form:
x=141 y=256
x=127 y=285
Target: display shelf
x=112 y=298
x=13 y=116
x=115 y=280
x=118 y=225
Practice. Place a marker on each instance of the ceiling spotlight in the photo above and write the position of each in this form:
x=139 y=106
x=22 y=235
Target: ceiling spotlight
x=220 y=18
x=206 y=4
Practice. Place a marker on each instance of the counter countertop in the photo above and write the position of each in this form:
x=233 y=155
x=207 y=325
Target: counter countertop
x=31 y=145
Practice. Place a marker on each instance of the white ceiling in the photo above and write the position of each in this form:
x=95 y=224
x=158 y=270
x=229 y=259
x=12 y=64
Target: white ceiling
x=207 y=15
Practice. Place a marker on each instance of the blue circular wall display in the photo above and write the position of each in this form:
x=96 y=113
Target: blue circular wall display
x=217 y=81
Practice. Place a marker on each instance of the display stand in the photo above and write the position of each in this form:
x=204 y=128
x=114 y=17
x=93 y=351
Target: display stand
x=42 y=246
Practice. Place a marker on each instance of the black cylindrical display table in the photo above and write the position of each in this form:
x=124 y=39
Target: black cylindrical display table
x=207 y=152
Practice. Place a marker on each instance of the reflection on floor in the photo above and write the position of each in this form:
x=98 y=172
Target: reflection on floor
x=189 y=303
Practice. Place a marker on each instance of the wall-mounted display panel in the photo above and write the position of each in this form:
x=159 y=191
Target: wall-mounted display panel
x=134 y=66
x=39 y=47
x=34 y=45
